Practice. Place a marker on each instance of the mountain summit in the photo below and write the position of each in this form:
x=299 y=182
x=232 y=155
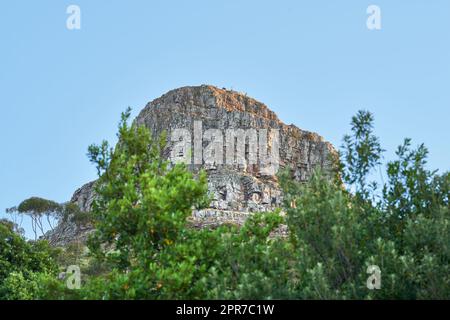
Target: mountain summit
x=228 y=134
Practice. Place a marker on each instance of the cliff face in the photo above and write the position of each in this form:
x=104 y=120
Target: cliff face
x=240 y=185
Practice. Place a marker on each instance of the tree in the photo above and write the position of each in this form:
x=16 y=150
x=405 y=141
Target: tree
x=37 y=208
x=361 y=152
x=23 y=264
x=338 y=233
x=142 y=202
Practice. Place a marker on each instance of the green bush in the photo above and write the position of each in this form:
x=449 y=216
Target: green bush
x=23 y=264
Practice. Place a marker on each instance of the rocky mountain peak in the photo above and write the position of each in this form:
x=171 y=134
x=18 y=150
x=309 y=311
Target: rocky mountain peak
x=238 y=186
x=208 y=96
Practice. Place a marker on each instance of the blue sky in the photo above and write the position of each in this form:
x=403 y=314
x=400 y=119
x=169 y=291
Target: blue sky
x=314 y=63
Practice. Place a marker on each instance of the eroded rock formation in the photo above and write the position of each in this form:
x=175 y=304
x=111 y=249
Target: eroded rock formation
x=237 y=189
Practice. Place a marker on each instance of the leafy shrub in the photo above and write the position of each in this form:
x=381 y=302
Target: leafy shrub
x=23 y=264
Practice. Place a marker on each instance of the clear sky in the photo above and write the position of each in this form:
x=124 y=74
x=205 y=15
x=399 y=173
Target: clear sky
x=314 y=63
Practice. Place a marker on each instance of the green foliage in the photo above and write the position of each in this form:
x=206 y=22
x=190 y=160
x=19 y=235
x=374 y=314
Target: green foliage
x=38 y=206
x=225 y=263
x=248 y=263
x=412 y=189
x=339 y=234
x=142 y=202
x=23 y=264
x=361 y=152
x=328 y=235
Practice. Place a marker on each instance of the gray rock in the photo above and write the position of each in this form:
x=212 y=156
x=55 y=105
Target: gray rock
x=237 y=189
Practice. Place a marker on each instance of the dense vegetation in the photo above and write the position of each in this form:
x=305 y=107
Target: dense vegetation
x=25 y=267
x=339 y=225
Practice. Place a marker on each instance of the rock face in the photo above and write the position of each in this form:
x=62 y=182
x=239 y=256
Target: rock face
x=238 y=186
x=68 y=231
